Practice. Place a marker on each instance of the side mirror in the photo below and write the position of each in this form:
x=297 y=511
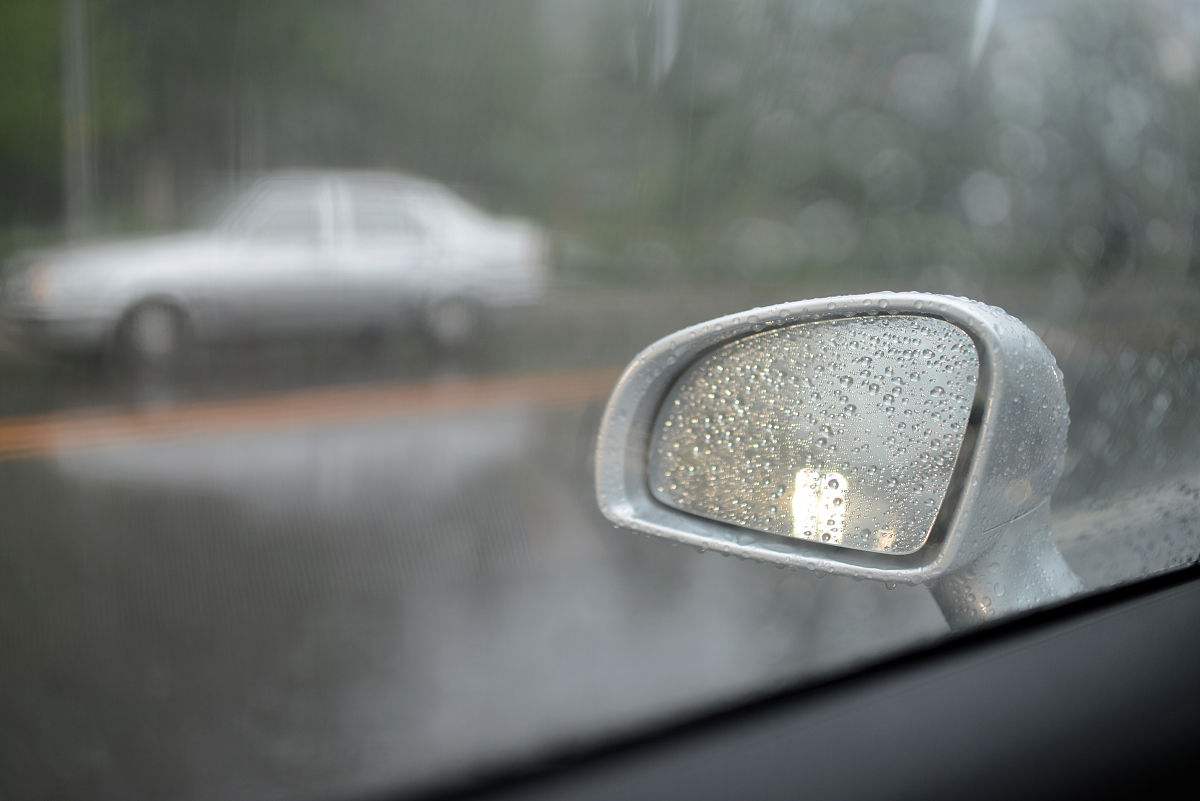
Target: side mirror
x=901 y=437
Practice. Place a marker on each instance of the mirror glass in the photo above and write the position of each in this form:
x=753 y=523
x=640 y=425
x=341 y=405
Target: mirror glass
x=844 y=432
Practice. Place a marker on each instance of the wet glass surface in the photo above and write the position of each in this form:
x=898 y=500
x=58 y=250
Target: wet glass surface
x=842 y=432
x=309 y=311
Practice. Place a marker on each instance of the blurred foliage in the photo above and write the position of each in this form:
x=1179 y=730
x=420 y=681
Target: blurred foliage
x=30 y=115
x=659 y=139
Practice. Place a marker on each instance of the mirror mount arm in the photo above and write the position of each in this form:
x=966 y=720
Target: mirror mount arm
x=1022 y=570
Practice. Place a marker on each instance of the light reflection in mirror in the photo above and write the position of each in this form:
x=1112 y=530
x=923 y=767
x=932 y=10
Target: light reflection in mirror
x=819 y=506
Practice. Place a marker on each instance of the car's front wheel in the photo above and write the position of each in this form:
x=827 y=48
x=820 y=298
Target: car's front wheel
x=152 y=334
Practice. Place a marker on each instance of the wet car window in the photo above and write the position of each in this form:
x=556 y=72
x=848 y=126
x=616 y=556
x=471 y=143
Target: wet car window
x=283 y=220
x=287 y=516
x=381 y=214
x=290 y=212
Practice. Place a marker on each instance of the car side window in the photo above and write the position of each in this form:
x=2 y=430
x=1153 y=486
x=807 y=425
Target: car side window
x=280 y=216
x=383 y=215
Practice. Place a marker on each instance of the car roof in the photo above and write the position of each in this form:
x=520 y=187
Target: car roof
x=355 y=178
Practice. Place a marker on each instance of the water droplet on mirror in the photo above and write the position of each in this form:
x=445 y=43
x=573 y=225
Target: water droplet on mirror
x=777 y=428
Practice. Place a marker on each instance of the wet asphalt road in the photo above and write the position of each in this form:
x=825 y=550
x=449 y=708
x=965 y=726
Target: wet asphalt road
x=317 y=571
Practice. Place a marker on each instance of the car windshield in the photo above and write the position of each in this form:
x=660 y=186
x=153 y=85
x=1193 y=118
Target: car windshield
x=306 y=506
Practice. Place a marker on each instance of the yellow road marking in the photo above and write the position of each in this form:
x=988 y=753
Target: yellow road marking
x=36 y=435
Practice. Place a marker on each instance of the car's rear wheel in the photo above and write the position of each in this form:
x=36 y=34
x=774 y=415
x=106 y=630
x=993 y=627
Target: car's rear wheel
x=153 y=334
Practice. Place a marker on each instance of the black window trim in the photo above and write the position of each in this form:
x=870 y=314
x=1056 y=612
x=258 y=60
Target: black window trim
x=1098 y=695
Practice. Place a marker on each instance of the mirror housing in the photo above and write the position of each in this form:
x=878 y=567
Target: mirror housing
x=988 y=550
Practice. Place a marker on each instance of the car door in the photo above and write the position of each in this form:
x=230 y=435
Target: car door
x=1035 y=693
x=384 y=257
x=279 y=275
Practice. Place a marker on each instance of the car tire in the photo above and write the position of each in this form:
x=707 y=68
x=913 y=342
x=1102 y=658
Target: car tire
x=452 y=324
x=153 y=334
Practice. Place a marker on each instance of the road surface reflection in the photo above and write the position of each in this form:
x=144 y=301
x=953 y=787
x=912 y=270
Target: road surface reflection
x=343 y=606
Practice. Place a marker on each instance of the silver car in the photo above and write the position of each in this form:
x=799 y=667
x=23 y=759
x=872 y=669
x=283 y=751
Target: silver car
x=296 y=253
